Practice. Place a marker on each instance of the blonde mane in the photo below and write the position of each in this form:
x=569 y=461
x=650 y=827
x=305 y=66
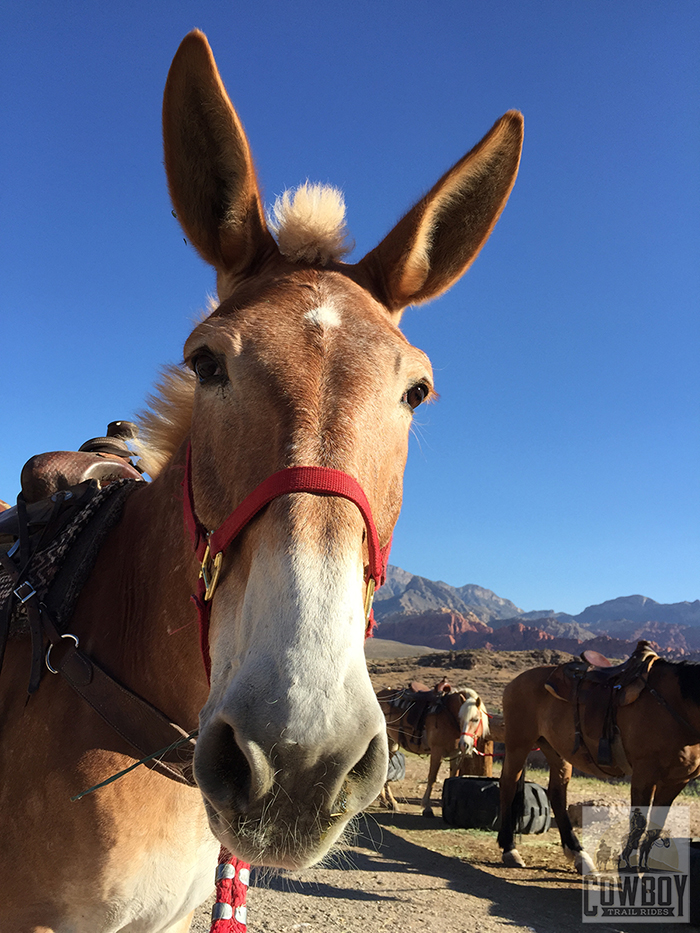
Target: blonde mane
x=164 y=425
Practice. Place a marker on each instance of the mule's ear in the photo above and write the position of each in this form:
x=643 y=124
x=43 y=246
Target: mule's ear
x=437 y=240
x=207 y=160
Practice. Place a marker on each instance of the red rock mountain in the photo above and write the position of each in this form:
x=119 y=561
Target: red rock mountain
x=439 y=628
x=418 y=611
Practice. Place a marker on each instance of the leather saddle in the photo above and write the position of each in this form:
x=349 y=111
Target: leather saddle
x=102 y=458
x=598 y=688
x=45 y=545
x=441 y=687
x=419 y=701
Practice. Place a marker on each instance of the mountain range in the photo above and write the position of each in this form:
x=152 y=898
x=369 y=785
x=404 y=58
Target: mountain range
x=418 y=611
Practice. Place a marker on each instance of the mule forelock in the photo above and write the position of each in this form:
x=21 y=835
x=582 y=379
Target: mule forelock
x=309 y=224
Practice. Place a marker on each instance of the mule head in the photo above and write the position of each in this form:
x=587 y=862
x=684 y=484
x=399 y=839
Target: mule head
x=302 y=363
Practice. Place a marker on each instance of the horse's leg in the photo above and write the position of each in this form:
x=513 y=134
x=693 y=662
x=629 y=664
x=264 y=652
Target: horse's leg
x=389 y=799
x=641 y=793
x=435 y=759
x=511 y=786
x=559 y=777
x=664 y=795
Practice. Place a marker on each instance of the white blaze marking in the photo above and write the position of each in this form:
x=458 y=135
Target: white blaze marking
x=324 y=317
x=314 y=629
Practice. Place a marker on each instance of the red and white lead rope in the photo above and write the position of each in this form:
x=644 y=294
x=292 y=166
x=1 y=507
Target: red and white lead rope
x=232 y=878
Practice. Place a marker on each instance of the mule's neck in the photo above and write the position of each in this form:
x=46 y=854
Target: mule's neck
x=136 y=615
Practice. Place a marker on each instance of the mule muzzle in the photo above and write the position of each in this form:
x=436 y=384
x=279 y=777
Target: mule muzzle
x=285 y=805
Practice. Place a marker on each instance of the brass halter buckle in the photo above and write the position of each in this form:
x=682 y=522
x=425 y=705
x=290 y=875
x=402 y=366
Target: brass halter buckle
x=210 y=571
x=369 y=598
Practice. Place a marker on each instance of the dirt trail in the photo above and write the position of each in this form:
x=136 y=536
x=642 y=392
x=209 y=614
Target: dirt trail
x=387 y=883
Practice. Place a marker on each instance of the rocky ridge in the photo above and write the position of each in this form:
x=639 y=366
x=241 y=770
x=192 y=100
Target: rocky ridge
x=418 y=611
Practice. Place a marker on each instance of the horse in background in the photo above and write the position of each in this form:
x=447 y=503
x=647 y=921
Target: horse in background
x=277 y=454
x=655 y=740
x=443 y=723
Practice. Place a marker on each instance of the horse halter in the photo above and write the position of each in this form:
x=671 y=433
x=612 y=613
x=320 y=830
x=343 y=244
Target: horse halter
x=475 y=735
x=210 y=546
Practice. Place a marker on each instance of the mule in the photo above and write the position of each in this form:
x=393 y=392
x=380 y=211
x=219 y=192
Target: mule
x=452 y=725
x=658 y=747
x=299 y=370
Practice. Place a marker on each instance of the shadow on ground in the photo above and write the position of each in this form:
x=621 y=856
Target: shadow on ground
x=543 y=906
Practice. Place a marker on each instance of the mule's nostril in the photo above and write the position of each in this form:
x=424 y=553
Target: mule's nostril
x=221 y=768
x=370 y=771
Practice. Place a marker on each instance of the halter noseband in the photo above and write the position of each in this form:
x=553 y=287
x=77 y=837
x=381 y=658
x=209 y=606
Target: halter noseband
x=210 y=546
x=475 y=735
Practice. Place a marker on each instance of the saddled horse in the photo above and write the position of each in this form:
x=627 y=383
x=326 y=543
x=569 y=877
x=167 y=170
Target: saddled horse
x=655 y=740
x=450 y=725
x=283 y=439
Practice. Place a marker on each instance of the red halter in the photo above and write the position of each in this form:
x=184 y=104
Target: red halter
x=475 y=735
x=210 y=547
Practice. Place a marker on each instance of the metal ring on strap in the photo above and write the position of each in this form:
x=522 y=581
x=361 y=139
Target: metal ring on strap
x=48 y=651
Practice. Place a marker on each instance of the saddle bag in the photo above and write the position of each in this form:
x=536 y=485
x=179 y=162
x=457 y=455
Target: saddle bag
x=474 y=803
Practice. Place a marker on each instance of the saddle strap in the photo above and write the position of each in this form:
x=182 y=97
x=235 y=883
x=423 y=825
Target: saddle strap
x=603 y=761
x=677 y=716
x=409 y=701
x=5 y=617
x=139 y=723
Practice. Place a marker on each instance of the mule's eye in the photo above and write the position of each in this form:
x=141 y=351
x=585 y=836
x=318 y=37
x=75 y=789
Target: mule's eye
x=206 y=367
x=416 y=394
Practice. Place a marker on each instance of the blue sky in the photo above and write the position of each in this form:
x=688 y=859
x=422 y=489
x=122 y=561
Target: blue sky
x=560 y=466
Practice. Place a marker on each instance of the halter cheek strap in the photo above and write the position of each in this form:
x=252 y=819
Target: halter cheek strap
x=211 y=547
x=475 y=735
